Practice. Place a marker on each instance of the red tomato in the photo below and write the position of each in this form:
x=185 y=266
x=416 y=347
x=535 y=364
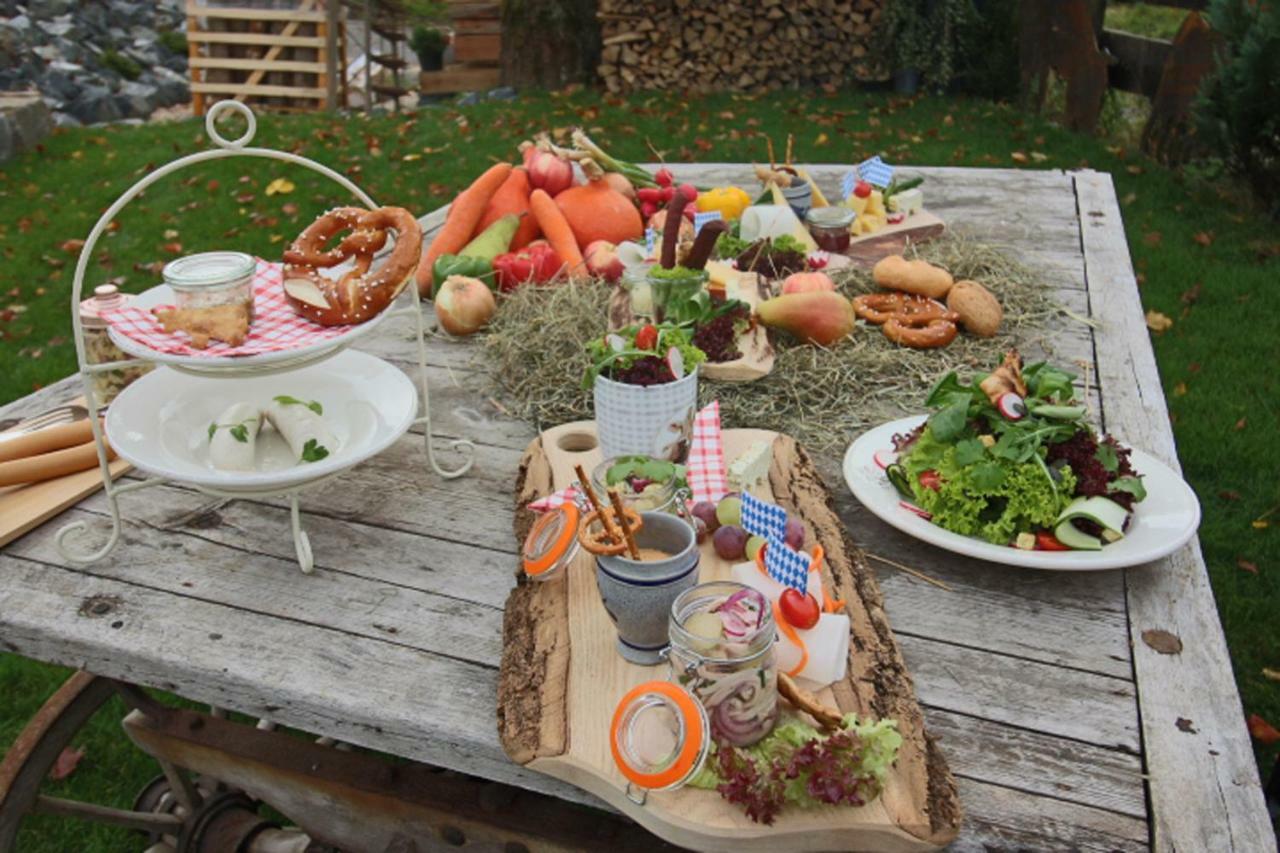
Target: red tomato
x=931 y=480
x=862 y=189
x=647 y=337
x=1046 y=541
x=799 y=609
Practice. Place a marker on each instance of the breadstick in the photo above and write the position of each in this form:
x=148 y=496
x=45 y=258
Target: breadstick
x=622 y=522
x=46 y=440
x=803 y=700
x=47 y=466
x=595 y=504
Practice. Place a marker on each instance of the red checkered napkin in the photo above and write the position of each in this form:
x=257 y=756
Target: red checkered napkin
x=708 y=477
x=275 y=327
x=554 y=500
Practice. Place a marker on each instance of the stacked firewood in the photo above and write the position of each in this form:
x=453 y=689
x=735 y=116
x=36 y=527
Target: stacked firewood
x=742 y=45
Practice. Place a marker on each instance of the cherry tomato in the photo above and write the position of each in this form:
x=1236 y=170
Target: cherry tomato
x=1046 y=541
x=647 y=337
x=862 y=189
x=800 y=609
x=931 y=480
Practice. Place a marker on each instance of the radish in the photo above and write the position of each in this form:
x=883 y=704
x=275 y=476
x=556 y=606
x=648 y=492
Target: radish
x=884 y=458
x=915 y=509
x=675 y=361
x=1011 y=406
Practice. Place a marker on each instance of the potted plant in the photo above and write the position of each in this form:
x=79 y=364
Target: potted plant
x=917 y=41
x=644 y=381
x=429 y=44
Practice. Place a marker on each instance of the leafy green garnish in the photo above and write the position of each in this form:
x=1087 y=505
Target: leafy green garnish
x=240 y=433
x=604 y=359
x=286 y=400
x=731 y=244
x=1108 y=458
x=969 y=451
x=312 y=451
x=212 y=429
x=1132 y=485
x=646 y=467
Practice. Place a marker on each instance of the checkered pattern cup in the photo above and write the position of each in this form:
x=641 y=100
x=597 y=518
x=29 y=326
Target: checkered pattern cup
x=646 y=420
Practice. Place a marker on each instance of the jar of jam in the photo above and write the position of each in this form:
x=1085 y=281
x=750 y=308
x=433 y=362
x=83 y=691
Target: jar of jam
x=829 y=227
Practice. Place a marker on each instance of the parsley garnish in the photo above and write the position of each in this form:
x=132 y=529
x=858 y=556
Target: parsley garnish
x=240 y=433
x=212 y=429
x=286 y=400
x=313 y=452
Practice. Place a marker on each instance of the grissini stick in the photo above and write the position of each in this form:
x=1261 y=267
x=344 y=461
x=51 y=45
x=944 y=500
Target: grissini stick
x=46 y=440
x=622 y=522
x=47 y=466
x=595 y=504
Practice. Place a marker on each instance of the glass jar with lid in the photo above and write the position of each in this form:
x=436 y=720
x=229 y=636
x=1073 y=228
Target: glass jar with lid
x=552 y=542
x=635 y=280
x=100 y=349
x=640 y=488
x=829 y=227
x=660 y=738
x=212 y=280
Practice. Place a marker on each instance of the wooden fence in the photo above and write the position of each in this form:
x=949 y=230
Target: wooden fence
x=285 y=58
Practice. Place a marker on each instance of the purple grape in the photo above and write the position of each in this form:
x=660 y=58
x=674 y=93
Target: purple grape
x=706 y=511
x=730 y=542
x=795 y=534
x=699 y=529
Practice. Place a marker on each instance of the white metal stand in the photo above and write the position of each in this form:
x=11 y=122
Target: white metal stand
x=228 y=148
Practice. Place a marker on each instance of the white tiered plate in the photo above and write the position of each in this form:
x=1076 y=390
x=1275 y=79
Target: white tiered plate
x=1161 y=524
x=160 y=422
x=163 y=295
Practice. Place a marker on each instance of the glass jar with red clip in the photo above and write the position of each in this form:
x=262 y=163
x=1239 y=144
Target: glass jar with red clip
x=552 y=542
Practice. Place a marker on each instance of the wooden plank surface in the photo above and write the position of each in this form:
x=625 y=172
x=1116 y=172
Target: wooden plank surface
x=1047 y=756
x=1205 y=793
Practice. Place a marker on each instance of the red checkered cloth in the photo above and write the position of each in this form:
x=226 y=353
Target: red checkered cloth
x=708 y=477
x=556 y=499
x=275 y=327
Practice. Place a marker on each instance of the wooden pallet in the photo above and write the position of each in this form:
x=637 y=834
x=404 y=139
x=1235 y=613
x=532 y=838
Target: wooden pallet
x=561 y=678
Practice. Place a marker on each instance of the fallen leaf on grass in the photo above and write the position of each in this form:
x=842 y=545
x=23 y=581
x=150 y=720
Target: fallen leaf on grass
x=173 y=248
x=1241 y=424
x=1039 y=157
x=171 y=234
x=72 y=246
x=1204 y=238
x=1191 y=295
x=1180 y=390
x=289 y=209
x=1228 y=495
x=1153 y=238
x=1158 y=322
x=1247 y=565
x=1271 y=674
x=1018 y=157
x=1162 y=641
x=66 y=763
x=1262 y=731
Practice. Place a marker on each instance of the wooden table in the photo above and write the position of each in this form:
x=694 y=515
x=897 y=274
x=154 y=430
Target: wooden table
x=1064 y=728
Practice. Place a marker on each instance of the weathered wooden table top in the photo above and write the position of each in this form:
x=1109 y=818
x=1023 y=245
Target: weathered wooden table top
x=1064 y=729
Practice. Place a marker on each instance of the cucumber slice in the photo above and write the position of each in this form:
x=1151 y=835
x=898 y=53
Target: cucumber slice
x=1073 y=537
x=1103 y=511
x=1059 y=413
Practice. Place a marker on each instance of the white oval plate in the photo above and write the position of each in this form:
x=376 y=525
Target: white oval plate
x=1162 y=523
x=162 y=294
x=160 y=423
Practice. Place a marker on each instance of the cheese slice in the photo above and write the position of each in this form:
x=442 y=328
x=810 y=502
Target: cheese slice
x=751 y=466
x=907 y=201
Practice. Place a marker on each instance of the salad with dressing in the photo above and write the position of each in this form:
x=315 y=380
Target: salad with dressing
x=1012 y=460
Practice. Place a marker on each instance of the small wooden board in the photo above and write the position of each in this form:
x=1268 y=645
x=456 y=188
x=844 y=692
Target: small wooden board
x=561 y=679
x=891 y=240
x=24 y=507
x=757 y=356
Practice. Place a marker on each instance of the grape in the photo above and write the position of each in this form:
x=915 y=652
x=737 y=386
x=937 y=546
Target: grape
x=729 y=510
x=699 y=530
x=795 y=534
x=705 y=511
x=729 y=542
x=754 y=544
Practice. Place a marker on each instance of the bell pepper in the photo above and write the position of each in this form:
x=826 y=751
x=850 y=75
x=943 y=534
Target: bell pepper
x=730 y=201
x=465 y=265
x=536 y=262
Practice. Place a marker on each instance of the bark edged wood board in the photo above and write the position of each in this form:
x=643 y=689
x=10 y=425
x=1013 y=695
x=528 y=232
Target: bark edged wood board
x=560 y=679
x=864 y=251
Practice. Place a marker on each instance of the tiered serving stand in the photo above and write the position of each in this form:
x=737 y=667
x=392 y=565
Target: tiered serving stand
x=235 y=368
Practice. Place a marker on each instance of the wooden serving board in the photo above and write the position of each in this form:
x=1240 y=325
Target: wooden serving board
x=864 y=251
x=561 y=679
x=757 y=352
x=25 y=507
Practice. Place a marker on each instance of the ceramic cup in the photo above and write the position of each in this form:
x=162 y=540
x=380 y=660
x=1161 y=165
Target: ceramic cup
x=800 y=196
x=638 y=595
x=646 y=420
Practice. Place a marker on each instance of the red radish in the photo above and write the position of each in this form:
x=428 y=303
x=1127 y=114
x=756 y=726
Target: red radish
x=675 y=361
x=800 y=609
x=668 y=192
x=664 y=177
x=596 y=211
x=615 y=342
x=884 y=458
x=549 y=173
x=649 y=208
x=649 y=194
x=1011 y=406
x=690 y=192
x=925 y=514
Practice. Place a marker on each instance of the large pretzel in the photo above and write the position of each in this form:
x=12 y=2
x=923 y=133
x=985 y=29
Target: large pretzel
x=908 y=319
x=360 y=294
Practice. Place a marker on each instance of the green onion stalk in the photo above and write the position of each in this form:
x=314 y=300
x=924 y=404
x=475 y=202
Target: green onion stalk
x=637 y=175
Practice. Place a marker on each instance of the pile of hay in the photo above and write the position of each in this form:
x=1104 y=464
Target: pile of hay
x=823 y=397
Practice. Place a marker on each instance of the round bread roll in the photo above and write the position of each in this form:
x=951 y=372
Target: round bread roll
x=920 y=277
x=980 y=312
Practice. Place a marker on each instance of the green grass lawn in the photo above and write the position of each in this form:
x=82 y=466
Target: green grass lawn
x=1157 y=22
x=1202 y=257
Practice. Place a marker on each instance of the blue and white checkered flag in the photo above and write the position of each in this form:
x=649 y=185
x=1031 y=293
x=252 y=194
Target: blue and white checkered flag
x=650 y=237
x=763 y=519
x=700 y=219
x=875 y=171
x=786 y=565
x=848 y=183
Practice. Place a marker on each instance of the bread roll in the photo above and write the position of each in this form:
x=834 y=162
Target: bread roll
x=920 y=277
x=979 y=310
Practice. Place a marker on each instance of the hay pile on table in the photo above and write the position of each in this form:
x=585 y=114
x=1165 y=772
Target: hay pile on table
x=822 y=397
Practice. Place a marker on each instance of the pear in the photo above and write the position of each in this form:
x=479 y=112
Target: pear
x=817 y=317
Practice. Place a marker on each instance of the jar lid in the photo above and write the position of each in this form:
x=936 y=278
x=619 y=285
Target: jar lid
x=833 y=216
x=207 y=269
x=106 y=297
x=660 y=736
x=552 y=542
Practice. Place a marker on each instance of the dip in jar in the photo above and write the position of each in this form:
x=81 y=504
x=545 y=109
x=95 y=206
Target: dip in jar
x=829 y=227
x=211 y=280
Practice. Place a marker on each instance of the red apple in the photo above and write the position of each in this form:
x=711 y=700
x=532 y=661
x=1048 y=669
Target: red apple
x=803 y=282
x=603 y=261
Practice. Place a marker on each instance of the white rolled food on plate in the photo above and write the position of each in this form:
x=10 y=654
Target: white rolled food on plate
x=301 y=424
x=233 y=438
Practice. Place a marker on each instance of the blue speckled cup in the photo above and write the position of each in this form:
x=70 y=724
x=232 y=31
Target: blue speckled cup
x=638 y=595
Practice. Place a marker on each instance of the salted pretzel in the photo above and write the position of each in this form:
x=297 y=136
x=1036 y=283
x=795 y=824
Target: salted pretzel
x=361 y=293
x=923 y=330
x=594 y=531
x=876 y=308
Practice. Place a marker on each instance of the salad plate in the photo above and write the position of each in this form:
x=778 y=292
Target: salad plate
x=1161 y=524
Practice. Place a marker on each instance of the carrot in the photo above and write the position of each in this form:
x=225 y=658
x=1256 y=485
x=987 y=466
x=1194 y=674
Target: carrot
x=512 y=197
x=558 y=233
x=464 y=213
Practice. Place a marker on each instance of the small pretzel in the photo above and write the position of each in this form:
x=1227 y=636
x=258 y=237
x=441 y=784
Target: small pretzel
x=594 y=536
x=920 y=331
x=876 y=308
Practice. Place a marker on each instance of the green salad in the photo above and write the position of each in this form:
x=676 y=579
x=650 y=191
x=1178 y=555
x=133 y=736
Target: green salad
x=1012 y=460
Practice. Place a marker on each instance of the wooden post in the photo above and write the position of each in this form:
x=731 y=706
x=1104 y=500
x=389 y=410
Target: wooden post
x=197 y=75
x=332 y=28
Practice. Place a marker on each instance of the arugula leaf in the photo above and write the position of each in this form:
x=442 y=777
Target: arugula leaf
x=969 y=451
x=213 y=427
x=947 y=423
x=944 y=389
x=313 y=452
x=286 y=400
x=987 y=476
x=240 y=433
x=1132 y=485
x=1049 y=382
x=1106 y=455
